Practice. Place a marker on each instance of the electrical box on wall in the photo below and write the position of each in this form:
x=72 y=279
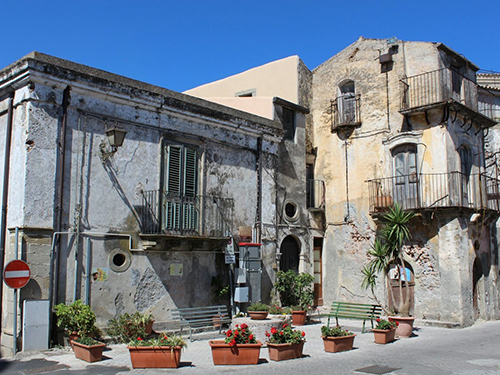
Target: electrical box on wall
x=241 y=294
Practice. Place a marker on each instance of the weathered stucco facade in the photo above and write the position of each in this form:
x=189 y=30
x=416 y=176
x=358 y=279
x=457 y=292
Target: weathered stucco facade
x=126 y=240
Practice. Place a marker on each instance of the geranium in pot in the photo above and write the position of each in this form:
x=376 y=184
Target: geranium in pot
x=240 y=347
x=76 y=319
x=159 y=352
x=385 y=331
x=258 y=311
x=337 y=339
x=285 y=343
x=388 y=251
x=295 y=290
x=88 y=349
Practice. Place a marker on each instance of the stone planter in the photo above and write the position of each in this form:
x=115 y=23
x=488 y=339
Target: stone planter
x=88 y=353
x=239 y=354
x=281 y=352
x=338 y=344
x=405 y=325
x=299 y=318
x=257 y=315
x=155 y=356
x=384 y=336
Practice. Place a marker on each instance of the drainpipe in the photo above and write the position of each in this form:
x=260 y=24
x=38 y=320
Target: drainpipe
x=62 y=143
x=6 y=172
x=259 y=190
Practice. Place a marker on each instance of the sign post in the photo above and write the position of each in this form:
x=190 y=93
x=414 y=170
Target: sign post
x=16 y=274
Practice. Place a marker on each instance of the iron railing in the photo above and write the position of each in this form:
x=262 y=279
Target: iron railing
x=433 y=191
x=315 y=191
x=346 y=110
x=438 y=86
x=201 y=216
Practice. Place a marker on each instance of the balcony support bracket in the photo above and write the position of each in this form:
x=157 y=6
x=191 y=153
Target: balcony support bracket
x=427 y=118
x=446 y=114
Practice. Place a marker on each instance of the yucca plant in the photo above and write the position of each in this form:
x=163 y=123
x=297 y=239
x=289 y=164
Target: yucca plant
x=388 y=249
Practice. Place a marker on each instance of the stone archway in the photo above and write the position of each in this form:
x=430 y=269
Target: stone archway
x=290 y=250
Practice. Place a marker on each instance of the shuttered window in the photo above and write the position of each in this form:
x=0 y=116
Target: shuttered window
x=180 y=211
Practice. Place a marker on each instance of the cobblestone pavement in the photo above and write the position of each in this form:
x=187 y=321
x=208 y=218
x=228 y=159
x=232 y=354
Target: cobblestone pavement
x=431 y=350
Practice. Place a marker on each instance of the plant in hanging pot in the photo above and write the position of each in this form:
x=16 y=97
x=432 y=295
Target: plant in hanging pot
x=258 y=311
x=285 y=343
x=295 y=290
x=76 y=319
x=240 y=347
x=88 y=349
x=160 y=352
x=337 y=339
x=385 y=331
x=387 y=257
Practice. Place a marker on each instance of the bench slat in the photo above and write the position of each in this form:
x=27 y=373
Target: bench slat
x=203 y=316
x=353 y=310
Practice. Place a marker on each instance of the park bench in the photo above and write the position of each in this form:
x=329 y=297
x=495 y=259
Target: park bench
x=352 y=310
x=199 y=317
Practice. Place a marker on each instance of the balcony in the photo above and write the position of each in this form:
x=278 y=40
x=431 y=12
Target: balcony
x=315 y=190
x=179 y=216
x=345 y=111
x=435 y=191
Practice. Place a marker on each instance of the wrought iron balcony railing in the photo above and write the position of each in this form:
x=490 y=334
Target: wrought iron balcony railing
x=346 y=111
x=315 y=190
x=200 y=216
x=438 y=86
x=434 y=191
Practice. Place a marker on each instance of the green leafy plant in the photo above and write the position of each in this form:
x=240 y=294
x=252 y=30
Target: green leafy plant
x=387 y=249
x=219 y=289
x=162 y=340
x=258 y=306
x=295 y=289
x=76 y=317
x=385 y=324
x=89 y=341
x=240 y=335
x=285 y=335
x=336 y=331
x=127 y=327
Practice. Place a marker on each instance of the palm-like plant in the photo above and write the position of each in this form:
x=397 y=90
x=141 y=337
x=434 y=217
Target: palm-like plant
x=388 y=249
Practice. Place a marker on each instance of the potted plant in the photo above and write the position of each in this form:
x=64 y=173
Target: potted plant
x=295 y=290
x=88 y=349
x=387 y=250
x=160 y=352
x=285 y=343
x=240 y=347
x=76 y=319
x=258 y=311
x=337 y=339
x=385 y=331
x=127 y=327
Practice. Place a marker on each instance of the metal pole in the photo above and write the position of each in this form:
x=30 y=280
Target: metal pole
x=87 y=273
x=14 y=325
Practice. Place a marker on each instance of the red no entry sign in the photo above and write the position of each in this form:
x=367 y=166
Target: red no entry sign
x=16 y=274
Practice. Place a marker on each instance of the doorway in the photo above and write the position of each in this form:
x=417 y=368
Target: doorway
x=318 y=271
x=290 y=251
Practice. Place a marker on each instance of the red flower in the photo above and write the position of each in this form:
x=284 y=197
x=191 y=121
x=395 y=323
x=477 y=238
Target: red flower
x=378 y=320
x=274 y=330
x=244 y=326
x=397 y=324
x=250 y=337
x=165 y=337
x=236 y=333
x=140 y=339
x=233 y=342
x=281 y=333
x=303 y=333
x=268 y=334
x=229 y=333
x=285 y=325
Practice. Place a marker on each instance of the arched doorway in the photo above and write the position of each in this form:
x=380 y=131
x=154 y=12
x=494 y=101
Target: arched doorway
x=290 y=251
x=477 y=275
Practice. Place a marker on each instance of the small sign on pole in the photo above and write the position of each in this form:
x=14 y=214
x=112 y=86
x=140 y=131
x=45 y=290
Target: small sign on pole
x=16 y=274
x=230 y=257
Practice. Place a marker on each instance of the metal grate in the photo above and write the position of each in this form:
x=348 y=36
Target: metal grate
x=377 y=369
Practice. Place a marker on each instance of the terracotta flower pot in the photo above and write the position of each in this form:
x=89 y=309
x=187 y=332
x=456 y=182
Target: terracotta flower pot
x=384 y=336
x=240 y=354
x=88 y=353
x=281 y=352
x=405 y=325
x=155 y=356
x=257 y=315
x=72 y=337
x=299 y=318
x=149 y=327
x=338 y=344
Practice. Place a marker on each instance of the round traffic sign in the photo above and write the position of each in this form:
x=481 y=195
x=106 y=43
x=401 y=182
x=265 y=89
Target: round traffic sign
x=16 y=274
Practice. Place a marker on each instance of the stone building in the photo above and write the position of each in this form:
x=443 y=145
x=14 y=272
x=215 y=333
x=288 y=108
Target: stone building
x=140 y=226
x=393 y=122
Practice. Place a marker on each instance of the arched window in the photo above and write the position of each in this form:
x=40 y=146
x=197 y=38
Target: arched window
x=347 y=103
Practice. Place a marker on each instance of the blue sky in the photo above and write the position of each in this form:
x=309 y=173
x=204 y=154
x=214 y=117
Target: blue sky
x=185 y=43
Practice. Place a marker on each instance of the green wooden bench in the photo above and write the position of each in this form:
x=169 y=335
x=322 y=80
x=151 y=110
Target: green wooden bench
x=198 y=317
x=352 y=310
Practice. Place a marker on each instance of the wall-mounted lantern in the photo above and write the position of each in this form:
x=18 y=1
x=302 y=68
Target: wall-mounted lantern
x=115 y=139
